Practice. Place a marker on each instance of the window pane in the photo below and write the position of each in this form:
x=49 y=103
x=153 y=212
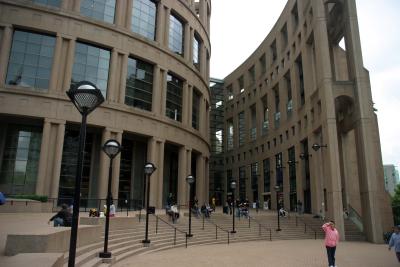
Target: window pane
x=87 y=66
x=25 y=63
x=175 y=35
x=144 y=18
x=174 y=98
x=55 y=3
x=99 y=9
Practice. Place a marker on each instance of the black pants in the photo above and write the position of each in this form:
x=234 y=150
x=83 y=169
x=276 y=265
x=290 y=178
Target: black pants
x=331 y=255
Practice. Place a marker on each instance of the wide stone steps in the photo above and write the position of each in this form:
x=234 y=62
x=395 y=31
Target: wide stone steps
x=127 y=242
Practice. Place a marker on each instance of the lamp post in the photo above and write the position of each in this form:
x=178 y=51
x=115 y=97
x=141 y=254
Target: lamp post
x=318 y=146
x=277 y=189
x=149 y=168
x=86 y=97
x=111 y=148
x=233 y=187
x=190 y=181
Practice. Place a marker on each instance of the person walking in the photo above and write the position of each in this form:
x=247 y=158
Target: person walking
x=331 y=241
x=395 y=241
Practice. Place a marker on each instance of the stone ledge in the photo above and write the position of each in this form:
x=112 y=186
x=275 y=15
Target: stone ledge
x=34 y=260
x=25 y=205
x=116 y=223
x=50 y=240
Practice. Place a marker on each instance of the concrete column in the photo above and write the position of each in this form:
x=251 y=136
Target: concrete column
x=273 y=182
x=187 y=42
x=128 y=14
x=56 y=65
x=163 y=92
x=189 y=169
x=202 y=11
x=120 y=15
x=43 y=160
x=157 y=90
x=206 y=179
x=191 y=40
x=65 y=4
x=5 y=47
x=167 y=13
x=190 y=106
x=116 y=167
x=104 y=164
x=152 y=157
x=200 y=180
x=76 y=5
x=160 y=23
x=249 y=191
x=123 y=77
x=111 y=90
x=160 y=173
x=202 y=116
x=203 y=60
x=182 y=174
x=185 y=103
x=57 y=160
x=299 y=175
x=68 y=65
x=286 y=182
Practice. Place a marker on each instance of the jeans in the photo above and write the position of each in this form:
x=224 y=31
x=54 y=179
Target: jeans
x=331 y=255
x=58 y=222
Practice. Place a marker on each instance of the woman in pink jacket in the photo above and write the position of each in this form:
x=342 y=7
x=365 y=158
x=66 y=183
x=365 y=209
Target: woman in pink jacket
x=331 y=241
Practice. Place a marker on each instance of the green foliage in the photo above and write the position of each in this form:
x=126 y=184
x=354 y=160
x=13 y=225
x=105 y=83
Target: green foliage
x=33 y=197
x=396 y=197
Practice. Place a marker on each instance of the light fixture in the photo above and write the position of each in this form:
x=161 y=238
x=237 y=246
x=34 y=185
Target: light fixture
x=318 y=146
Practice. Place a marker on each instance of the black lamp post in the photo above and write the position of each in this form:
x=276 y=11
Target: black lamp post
x=190 y=181
x=277 y=189
x=86 y=97
x=149 y=168
x=233 y=187
x=111 y=148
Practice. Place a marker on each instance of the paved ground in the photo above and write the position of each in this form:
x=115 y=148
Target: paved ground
x=307 y=253
x=293 y=253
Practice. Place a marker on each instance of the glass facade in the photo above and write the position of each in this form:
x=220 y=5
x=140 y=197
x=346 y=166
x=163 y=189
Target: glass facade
x=242 y=183
x=254 y=180
x=196 y=110
x=139 y=84
x=20 y=159
x=267 y=175
x=229 y=138
x=91 y=64
x=175 y=35
x=31 y=59
x=241 y=130
x=99 y=9
x=144 y=18
x=55 y=3
x=174 y=98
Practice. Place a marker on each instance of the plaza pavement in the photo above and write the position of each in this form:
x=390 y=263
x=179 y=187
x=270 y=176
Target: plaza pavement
x=298 y=253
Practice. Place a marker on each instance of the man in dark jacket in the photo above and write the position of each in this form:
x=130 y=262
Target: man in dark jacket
x=63 y=217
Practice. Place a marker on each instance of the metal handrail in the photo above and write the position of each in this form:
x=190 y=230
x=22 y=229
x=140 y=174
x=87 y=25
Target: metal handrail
x=216 y=228
x=170 y=225
x=305 y=226
x=261 y=226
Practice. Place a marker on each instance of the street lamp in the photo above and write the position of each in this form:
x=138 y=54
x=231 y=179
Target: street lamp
x=277 y=189
x=233 y=187
x=111 y=148
x=317 y=146
x=190 y=181
x=86 y=97
x=304 y=156
x=149 y=168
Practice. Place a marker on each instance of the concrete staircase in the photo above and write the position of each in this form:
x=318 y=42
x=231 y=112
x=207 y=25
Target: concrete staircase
x=125 y=243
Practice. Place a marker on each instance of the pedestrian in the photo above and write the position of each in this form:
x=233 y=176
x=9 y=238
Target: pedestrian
x=257 y=205
x=395 y=241
x=62 y=218
x=331 y=241
x=299 y=207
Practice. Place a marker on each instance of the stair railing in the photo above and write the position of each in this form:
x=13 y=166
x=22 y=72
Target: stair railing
x=216 y=228
x=261 y=226
x=300 y=220
x=173 y=227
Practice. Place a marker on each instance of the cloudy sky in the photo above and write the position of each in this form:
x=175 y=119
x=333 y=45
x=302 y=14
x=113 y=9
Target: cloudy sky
x=379 y=25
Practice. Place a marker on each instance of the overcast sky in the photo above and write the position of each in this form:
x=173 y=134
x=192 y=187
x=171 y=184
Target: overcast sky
x=238 y=28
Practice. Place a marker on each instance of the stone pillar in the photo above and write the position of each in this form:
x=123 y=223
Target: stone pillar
x=202 y=116
x=160 y=173
x=111 y=88
x=155 y=152
x=206 y=179
x=187 y=42
x=189 y=170
x=5 y=47
x=185 y=103
x=43 y=160
x=203 y=59
x=123 y=77
x=191 y=39
x=182 y=174
x=76 y=6
x=128 y=14
x=163 y=92
x=103 y=166
x=202 y=11
x=152 y=157
x=160 y=21
x=190 y=106
x=56 y=65
x=68 y=65
x=116 y=167
x=286 y=182
x=157 y=90
x=120 y=15
x=299 y=175
x=57 y=160
x=167 y=13
x=200 y=180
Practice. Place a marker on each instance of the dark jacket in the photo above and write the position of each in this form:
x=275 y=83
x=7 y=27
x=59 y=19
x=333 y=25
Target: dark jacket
x=65 y=215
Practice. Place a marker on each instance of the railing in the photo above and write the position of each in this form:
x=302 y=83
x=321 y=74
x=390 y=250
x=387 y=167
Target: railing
x=305 y=226
x=216 y=228
x=261 y=226
x=355 y=218
x=170 y=225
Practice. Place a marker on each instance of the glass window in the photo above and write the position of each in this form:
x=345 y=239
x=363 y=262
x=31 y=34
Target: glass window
x=218 y=142
x=99 y=9
x=267 y=175
x=242 y=183
x=175 y=35
x=174 y=98
x=144 y=18
x=196 y=110
x=91 y=64
x=196 y=52
x=139 y=84
x=20 y=160
x=31 y=59
x=56 y=3
x=230 y=134
x=241 y=125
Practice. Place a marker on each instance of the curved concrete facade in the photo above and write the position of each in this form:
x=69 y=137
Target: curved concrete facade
x=176 y=144
x=299 y=115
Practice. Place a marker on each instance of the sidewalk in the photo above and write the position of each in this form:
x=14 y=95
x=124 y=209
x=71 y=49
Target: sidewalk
x=291 y=253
